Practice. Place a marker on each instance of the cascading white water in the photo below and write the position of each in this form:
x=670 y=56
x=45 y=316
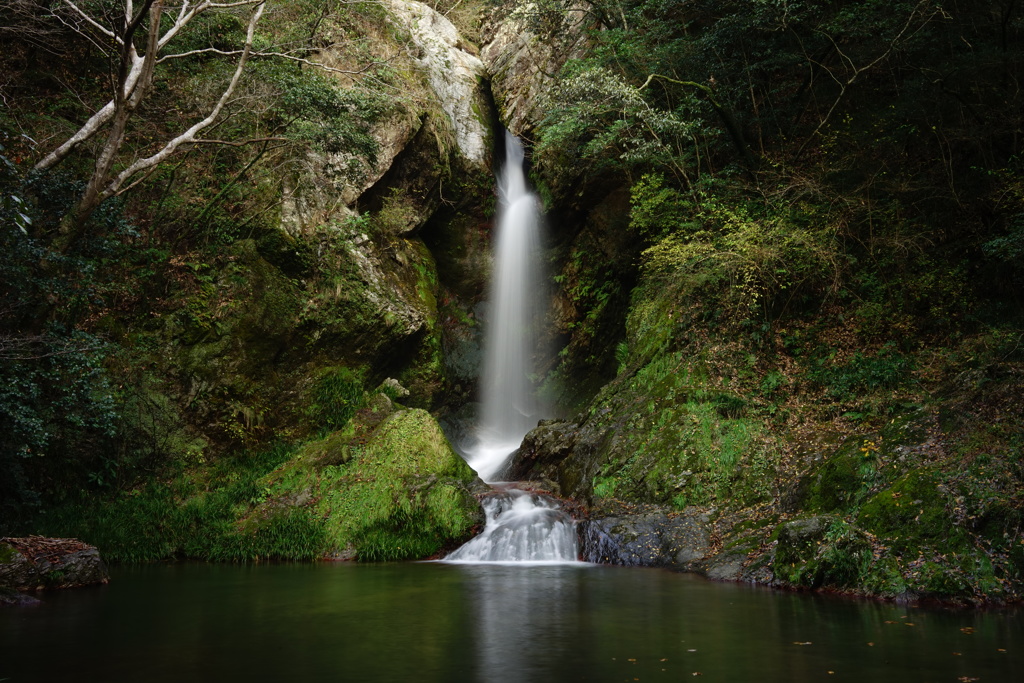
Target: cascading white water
x=510 y=406
x=521 y=527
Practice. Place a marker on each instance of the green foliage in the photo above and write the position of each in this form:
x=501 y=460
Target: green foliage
x=337 y=395
x=330 y=118
x=761 y=252
x=658 y=209
x=821 y=551
x=193 y=515
x=886 y=369
x=60 y=407
x=598 y=118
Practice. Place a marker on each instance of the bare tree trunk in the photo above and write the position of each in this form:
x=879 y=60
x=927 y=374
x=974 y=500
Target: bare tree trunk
x=134 y=77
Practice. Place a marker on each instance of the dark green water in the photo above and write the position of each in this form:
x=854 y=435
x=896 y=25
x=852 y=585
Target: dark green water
x=434 y=622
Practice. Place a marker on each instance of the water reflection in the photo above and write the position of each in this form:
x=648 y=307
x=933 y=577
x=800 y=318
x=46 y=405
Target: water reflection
x=519 y=615
x=436 y=622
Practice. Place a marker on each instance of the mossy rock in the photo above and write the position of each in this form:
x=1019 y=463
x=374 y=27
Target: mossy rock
x=842 y=482
x=911 y=513
x=820 y=551
x=399 y=492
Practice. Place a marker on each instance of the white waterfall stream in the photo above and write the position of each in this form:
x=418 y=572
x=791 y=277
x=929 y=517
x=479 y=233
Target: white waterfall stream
x=521 y=526
x=509 y=402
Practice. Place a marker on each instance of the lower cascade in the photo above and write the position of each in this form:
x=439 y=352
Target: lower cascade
x=522 y=527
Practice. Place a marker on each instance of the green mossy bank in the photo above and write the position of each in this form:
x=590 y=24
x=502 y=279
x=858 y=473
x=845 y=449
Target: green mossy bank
x=387 y=486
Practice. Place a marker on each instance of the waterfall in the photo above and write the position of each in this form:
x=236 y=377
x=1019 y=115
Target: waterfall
x=522 y=527
x=510 y=407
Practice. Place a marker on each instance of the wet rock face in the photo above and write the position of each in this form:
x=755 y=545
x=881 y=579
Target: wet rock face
x=35 y=562
x=542 y=451
x=649 y=539
x=523 y=51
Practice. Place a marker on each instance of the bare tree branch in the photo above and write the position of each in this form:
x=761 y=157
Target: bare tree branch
x=844 y=84
x=189 y=135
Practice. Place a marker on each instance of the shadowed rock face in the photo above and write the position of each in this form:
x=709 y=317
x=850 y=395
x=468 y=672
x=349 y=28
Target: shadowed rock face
x=649 y=539
x=36 y=562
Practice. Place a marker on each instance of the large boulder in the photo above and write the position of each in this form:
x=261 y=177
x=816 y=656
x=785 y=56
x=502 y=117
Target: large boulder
x=35 y=562
x=649 y=538
x=387 y=487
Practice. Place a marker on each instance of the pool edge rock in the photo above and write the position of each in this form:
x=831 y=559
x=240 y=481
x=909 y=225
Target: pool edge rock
x=37 y=563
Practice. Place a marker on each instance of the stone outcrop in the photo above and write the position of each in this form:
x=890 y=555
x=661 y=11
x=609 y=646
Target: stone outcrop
x=454 y=75
x=649 y=538
x=35 y=562
x=524 y=50
x=439 y=120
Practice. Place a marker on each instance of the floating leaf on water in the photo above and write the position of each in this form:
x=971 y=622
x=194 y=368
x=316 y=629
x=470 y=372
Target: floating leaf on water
x=967 y=629
x=805 y=643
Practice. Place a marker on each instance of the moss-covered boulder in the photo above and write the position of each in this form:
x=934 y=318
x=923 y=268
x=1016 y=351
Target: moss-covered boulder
x=396 y=491
x=910 y=513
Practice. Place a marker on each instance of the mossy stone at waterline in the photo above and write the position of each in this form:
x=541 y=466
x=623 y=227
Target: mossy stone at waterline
x=403 y=493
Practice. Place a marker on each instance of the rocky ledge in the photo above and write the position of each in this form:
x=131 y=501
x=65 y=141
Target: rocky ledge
x=36 y=563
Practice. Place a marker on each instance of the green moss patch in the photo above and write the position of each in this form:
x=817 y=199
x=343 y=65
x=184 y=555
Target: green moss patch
x=821 y=551
x=911 y=512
